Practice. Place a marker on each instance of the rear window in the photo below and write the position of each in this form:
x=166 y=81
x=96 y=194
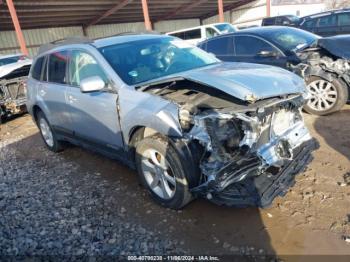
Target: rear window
x=344 y=19
x=57 y=67
x=36 y=73
x=268 y=21
x=9 y=60
x=192 y=34
x=179 y=35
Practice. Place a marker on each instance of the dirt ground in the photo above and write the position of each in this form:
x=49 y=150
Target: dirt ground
x=313 y=218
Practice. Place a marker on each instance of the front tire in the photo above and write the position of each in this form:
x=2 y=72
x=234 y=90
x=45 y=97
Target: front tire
x=327 y=97
x=47 y=133
x=161 y=171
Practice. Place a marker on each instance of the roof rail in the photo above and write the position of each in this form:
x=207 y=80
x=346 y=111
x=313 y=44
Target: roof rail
x=131 y=33
x=64 y=41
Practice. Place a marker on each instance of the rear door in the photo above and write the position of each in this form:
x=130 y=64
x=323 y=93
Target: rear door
x=327 y=25
x=94 y=116
x=252 y=49
x=344 y=23
x=51 y=89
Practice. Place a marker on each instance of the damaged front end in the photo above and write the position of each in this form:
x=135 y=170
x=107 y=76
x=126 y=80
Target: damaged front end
x=12 y=92
x=250 y=152
x=251 y=157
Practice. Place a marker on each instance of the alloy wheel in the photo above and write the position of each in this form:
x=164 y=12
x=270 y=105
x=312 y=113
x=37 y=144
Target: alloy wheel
x=46 y=132
x=158 y=174
x=324 y=95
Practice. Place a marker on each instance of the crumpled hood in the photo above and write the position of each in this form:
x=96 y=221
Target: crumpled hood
x=7 y=69
x=336 y=45
x=245 y=80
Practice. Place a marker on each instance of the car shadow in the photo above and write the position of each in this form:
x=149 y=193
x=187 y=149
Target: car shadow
x=333 y=126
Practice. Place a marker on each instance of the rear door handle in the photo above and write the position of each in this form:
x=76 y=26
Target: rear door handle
x=71 y=99
x=42 y=92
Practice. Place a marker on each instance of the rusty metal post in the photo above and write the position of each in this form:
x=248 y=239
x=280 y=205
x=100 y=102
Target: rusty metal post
x=268 y=8
x=17 y=26
x=221 y=11
x=148 y=24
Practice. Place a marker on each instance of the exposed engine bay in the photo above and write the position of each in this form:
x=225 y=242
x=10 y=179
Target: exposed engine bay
x=249 y=152
x=12 y=92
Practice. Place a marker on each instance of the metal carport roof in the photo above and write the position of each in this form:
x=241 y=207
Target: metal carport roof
x=54 y=13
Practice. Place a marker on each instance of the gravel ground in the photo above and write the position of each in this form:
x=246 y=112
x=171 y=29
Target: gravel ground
x=80 y=203
x=46 y=210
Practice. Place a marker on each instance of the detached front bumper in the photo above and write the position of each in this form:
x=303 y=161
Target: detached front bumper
x=257 y=190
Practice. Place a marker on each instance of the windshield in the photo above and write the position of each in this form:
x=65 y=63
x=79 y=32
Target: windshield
x=292 y=39
x=225 y=28
x=145 y=60
x=9 y=60
x=293 y=18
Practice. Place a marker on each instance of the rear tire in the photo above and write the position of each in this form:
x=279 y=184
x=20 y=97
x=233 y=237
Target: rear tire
x=48 y=134
x=161 y=171
x=327 y=97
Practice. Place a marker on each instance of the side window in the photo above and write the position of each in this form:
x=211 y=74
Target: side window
x=210 y=32
x=328 y=20
x=37 y=69
x=57 y=67
x=269 y=21
x=251 y=46
x=220 y=46
x=344 y=19
x=310 y=23
x=192 y=34
x=82 y=65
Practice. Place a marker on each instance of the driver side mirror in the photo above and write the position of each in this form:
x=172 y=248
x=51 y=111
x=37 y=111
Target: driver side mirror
x=267 y=54
x=92 y=84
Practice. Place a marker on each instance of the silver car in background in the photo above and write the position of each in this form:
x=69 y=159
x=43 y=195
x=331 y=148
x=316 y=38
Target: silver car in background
x=190 y=124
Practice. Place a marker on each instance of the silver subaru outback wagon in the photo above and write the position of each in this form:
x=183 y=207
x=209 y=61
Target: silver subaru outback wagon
x=191 y=125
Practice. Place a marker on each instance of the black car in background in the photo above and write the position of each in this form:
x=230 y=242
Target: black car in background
x=330 y=23
x=322 y=62
x=286 y=20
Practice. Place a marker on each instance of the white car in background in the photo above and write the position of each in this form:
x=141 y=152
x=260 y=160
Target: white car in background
x=14 y=70
x=197 y=34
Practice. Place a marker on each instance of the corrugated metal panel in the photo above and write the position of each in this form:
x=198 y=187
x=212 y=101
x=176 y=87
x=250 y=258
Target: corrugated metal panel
x=215 y=19
x=98 y=31
x=172 y=25
x=254 y=11
x=35 y=37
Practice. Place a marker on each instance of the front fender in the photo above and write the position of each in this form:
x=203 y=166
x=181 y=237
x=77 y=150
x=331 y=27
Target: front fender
x=138 y=109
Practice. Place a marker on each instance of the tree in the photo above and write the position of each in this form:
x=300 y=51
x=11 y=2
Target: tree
x=337 y=4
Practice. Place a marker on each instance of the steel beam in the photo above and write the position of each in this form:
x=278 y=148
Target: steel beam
x=221 y=11
x=114 y=9
x=17 y=26
x=148 y=24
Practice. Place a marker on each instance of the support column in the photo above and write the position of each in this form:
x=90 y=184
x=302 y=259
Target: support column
x=268 y=8
x=148 y=24
x=221 y=11
x=17 y=26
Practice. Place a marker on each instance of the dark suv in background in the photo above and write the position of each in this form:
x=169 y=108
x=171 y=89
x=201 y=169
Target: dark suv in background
x=330 y=23
x=287 y=20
